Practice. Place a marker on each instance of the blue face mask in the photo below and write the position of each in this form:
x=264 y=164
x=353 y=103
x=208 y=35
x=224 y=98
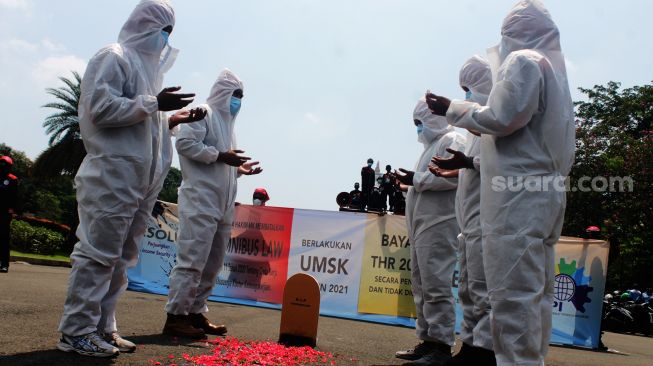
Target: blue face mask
x=468 y=95
x=420 y=128
x=165 y=36
x=234 y=106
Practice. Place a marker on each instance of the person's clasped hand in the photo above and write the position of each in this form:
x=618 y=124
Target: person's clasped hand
x=438 y=105
x=187 y=116
x=439 y=172
x=170 y=101
x=233 y=158
x=405 y=177
x=250 y=168
x=458 y=160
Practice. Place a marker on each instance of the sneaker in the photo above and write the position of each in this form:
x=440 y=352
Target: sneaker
x=438 y=355
x=4 y=269
x=119 y=342
x=182 y=326
x=415 y=353
x=90 y=344
x=201 y=322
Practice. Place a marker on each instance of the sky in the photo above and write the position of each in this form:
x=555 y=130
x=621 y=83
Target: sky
x=328 y=83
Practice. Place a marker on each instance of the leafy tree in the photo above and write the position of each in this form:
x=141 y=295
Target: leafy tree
x=22 y=164
x=51 y=198
x=21 y=169
x=170 y=186
x=66 y=150
x=46 y=205
x=614 y=138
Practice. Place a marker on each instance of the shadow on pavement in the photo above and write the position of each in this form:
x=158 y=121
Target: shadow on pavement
x=53 y=358
x=165 y=340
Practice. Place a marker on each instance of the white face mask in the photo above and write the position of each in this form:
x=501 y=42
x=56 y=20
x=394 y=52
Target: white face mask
x=258 y=202
x=167 y=58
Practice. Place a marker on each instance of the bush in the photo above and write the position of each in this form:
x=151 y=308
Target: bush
x=38 y=240
x=62 y=229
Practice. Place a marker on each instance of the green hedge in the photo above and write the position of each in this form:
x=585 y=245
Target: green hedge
x=32 y=239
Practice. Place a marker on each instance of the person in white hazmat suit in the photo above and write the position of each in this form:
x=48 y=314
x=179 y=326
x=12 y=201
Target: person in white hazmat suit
x=210 y=165
x=476 y=81
x=527 y=149
x=128 y=156
x=432 y=230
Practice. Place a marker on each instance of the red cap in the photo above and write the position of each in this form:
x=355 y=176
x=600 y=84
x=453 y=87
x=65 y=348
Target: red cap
x=263 y=192
x=592 y=228
x=7 y=159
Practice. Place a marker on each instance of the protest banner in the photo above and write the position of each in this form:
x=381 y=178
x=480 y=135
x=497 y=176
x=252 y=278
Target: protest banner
x=361 y=263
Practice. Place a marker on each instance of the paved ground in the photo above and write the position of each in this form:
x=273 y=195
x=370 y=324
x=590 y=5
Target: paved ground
x=31 y=299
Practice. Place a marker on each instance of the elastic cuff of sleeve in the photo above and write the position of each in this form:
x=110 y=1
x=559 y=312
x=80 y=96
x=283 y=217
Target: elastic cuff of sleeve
x=456 y=108
x=150 y=103
x=469 y=162
x=174 y=131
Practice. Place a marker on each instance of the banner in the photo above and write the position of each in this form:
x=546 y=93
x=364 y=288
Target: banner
x=580 y=274
x=385 y=269
x=361 y=262
x=157 y=251
x=331 y=256
x=256 y=259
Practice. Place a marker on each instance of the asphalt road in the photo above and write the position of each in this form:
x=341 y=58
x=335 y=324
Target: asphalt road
x=31 y=299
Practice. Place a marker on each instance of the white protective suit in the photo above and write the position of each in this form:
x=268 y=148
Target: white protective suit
x=206 y=201
x=528 y=133
x=476 y=76
x=128 y=156
x=432 y=229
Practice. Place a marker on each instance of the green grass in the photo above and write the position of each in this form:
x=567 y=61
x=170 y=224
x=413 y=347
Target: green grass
x=62 y=257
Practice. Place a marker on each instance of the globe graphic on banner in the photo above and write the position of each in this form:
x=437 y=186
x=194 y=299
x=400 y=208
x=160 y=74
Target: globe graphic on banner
x=564 y=287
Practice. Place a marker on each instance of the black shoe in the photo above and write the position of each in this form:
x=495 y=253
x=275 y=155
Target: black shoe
x=471 y=355
x=4 y=269
x=437 y=355
x=417 y=352
x=463 y=357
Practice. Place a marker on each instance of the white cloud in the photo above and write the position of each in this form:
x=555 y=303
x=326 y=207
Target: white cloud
x=18 y=45
x=311 y=118
x=19 y=48
x=15 y=4
x=315 y=129
x=570 y=65
x=44 y=61
x=48 y=70
x=32 y=65
x=51 y=46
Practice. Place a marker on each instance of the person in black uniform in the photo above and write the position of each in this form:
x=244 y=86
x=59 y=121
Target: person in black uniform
x=367 y=180
x=388 y=188
x=8 y=185
x=356 y=198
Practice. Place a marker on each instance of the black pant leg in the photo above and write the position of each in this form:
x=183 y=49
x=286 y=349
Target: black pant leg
x=4 y=241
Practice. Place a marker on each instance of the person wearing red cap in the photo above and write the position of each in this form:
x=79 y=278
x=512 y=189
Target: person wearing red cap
x=260 y=197
x=8 y=185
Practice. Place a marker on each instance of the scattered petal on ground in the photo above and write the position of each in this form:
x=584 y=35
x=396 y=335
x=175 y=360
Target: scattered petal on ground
x=231 y=351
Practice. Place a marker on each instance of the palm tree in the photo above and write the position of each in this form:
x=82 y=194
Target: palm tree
x=66 y=150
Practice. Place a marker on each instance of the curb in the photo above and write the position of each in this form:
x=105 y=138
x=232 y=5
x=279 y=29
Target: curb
x=40 y=262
